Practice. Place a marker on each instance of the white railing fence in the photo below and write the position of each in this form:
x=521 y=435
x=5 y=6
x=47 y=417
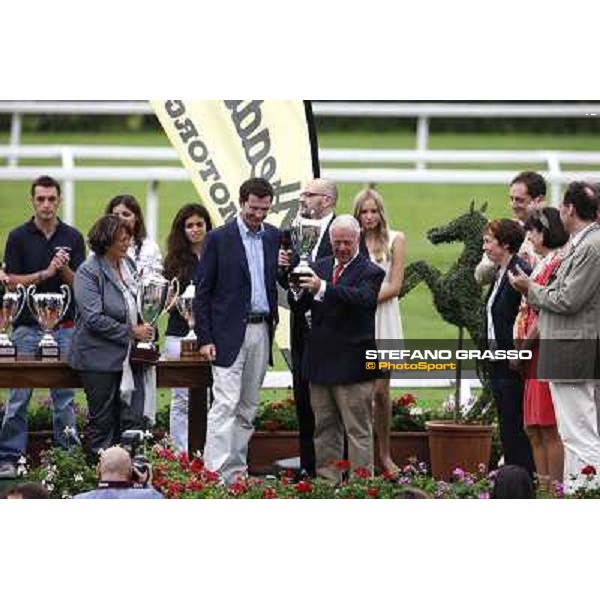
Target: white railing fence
x=422 y=111
x=69 y=171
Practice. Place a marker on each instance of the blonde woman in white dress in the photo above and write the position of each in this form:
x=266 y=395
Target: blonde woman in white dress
x=386 y=249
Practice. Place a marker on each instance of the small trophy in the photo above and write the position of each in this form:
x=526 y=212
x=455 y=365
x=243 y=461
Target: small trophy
x=11 y=305
x=185 y=302
x=48 y=309
x=152 y=300
x=305 y=235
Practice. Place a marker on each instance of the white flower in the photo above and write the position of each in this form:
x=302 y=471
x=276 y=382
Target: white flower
x=22 y=460
x=148 y=435
x=69 y=431
x=415 y=411
x=50 y=487
x=198 y=454
x=21 y=471
x=66 y=495
x=78 y=477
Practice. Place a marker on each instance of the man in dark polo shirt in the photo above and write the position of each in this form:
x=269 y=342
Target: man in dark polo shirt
x=44 y=252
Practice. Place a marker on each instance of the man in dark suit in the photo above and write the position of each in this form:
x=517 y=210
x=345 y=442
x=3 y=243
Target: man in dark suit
x=342 y=296
x=236 y=314
x=317 y=201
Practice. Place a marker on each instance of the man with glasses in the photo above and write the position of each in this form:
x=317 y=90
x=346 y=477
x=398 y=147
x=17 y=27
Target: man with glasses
x=317 y=201
x=527 y=194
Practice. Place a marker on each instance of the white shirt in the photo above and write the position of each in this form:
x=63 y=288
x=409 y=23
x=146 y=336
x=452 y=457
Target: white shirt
x=323 y=223
x=491 y=333
x=319 y=295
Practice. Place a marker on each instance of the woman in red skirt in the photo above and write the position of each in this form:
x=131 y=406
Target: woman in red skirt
x=548 y=237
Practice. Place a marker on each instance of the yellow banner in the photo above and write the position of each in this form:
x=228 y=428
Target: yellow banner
x=224 y=142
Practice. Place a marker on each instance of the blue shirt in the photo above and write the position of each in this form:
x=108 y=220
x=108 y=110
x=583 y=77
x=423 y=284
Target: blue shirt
x=253 y=246
x=28 y=251
x=120 y=493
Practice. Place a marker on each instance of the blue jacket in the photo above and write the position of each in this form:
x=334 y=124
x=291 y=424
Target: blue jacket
x=343 y=323
x=223 y=295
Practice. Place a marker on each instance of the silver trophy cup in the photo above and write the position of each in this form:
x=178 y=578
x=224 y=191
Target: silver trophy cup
x=155 y=296
x=185 y=306
x=305 y=235
x=11 y=305
x=48 y=310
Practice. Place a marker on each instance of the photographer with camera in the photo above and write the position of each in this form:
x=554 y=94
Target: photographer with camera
x=121 y=476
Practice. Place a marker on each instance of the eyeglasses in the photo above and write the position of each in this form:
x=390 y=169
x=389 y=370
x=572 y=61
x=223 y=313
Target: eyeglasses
x=312 y=195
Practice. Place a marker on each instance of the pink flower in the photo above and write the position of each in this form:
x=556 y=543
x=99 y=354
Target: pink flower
x=269 y=493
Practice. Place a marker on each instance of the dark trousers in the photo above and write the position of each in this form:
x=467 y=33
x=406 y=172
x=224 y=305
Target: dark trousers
x=507 y=389
x=304 y=412
x=108 y=415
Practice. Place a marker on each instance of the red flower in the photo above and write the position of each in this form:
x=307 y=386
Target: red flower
x=588 y=470
x=269 y=493
x=183 y=459
x=196 y=466
x=340 y=465
x=373 y=492
x=362 y=473
x=174 y=489
x=406 y=399
x=211 y=476
x=195 y=486
x=303 y=487
x=166 y=453
x=238 y=487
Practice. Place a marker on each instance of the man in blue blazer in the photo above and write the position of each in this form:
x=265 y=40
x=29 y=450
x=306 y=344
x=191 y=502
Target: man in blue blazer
x=342 y=296
x=236 y=315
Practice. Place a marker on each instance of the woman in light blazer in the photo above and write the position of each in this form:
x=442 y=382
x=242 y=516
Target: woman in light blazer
x=105 y=327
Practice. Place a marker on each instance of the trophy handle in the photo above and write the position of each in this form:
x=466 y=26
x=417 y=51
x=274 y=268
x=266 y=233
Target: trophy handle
x=173 y=285
x=29 y=295
x=66 y=290
x=22 y=294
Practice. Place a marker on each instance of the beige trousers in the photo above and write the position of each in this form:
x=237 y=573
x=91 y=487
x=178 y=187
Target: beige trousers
x=338 y=408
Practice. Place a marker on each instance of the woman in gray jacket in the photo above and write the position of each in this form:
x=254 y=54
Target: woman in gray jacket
x=105 y=327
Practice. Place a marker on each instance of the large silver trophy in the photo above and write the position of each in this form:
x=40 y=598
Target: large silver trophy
x=305 y=235
x=11 y=305
x=155 y=295
x=48 y=310
x=185 y=305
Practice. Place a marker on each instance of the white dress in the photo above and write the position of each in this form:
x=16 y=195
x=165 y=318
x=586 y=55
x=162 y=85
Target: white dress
x=388 y=322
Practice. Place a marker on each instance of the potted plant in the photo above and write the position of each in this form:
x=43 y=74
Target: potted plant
x=458 y=441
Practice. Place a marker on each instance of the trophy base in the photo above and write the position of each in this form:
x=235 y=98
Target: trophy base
x=144 y=356
x=8 y=352
x=297 y=273
x=48 y=352
x=189 y=349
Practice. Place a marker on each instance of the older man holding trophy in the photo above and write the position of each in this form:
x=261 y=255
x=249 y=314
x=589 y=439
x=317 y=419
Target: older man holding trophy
x=43 y=252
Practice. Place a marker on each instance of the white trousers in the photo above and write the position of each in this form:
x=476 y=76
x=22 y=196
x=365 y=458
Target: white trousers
x=178 y=414
x=236 y=392
x=576 y=411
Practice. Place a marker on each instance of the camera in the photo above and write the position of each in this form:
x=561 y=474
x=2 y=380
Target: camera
x=132 y=440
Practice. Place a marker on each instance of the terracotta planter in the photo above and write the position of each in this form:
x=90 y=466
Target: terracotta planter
x=405 y=445
x=454 y=445
x=268 y=446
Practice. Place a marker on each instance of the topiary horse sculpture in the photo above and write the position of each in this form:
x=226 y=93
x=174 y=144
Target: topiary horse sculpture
x=456 y=294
